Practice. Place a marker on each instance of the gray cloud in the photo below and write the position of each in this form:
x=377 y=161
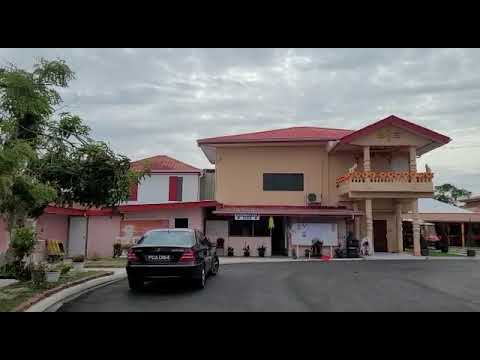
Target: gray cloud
x=152 y=101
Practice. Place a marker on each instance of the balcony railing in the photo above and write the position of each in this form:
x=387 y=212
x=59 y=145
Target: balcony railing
x=385 y=177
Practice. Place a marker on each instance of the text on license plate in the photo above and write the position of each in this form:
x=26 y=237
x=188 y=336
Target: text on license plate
x=158 y=257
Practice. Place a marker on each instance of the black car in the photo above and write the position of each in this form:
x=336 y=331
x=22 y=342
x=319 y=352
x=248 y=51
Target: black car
x=171 y=253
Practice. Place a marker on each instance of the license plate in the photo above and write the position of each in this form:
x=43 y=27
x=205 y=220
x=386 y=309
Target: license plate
x=158 y=257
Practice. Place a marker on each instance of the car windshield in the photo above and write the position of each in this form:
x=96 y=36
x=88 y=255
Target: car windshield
x=168 y=238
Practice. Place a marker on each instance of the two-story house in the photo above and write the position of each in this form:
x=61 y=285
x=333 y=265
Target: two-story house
x=168 y=198
x=284 y=188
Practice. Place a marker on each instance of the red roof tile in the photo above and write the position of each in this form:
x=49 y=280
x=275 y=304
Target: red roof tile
x=163 y=163
x=300 y=133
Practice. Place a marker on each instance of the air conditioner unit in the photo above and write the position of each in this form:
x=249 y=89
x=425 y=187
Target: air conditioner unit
x=313 y=198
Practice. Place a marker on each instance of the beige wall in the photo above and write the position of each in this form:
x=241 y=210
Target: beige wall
x=239 y=174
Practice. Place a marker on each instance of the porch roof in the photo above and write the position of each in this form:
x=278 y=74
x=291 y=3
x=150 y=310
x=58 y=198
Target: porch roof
x=279 y=210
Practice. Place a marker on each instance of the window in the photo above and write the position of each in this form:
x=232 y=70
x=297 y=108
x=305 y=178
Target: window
x=249 y=228
x=175 y=188
x=260 y=227
x=282 y=182
x=168 y=238
x=241 y=228
x=181 y=223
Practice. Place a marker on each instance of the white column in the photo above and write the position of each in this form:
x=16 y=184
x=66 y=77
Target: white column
x=356 y=222
x=398 y=215
x=366 y=158
x=369 y=223
x=416 y=229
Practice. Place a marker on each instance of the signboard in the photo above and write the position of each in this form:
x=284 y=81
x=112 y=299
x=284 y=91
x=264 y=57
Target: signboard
x=304 y=234
x=247 y=217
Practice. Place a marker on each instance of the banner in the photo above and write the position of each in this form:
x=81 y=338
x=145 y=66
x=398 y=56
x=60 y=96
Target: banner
x=304 y=234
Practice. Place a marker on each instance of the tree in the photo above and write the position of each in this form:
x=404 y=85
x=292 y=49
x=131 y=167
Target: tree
x=450 y=194
x=48 y=157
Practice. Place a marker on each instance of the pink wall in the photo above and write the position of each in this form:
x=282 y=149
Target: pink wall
x=3 y=236
x=52 y=227
x=102 y=233
x=195 y=216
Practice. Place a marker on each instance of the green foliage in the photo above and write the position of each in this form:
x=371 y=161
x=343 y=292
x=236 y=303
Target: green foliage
x=48 y=158
x=450 y=194
x=22 y=242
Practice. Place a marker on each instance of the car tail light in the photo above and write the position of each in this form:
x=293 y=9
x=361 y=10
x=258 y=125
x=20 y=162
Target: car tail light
x=187 y=256
x=131 y=256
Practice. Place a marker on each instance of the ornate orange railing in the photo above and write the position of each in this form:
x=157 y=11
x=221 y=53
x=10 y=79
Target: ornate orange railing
x=385 y=177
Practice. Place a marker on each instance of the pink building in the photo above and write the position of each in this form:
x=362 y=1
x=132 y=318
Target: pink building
x=169 y=198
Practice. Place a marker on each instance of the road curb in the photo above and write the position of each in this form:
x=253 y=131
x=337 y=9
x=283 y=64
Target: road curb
x=55 y=301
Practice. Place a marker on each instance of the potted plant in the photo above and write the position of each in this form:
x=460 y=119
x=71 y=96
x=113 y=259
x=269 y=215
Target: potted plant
x=261 y=251
x=52 y=274
x=230 y=251
x=65 y=268
x=38 y=274
x=339 y=253
x=117 y=249
x=78 y=262
x=471 y=252
x=246 y=251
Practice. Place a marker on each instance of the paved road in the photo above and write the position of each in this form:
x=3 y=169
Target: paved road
x=334 y=286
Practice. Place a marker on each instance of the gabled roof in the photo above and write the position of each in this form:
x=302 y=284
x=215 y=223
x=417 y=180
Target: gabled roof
x=163 y=163
x=401 y=123
x=298 y=133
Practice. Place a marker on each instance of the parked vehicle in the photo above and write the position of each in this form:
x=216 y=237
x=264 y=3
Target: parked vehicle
x=171 y=253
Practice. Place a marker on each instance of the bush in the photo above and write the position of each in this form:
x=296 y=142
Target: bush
x=78 y=259
x=23 y=242
x=65 y=268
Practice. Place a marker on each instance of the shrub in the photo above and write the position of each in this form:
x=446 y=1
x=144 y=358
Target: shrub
x=78 y=259
x=65 y=268
x=23 y=242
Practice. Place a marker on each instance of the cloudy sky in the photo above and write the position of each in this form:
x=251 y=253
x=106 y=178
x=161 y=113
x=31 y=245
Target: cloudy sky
x=159 y=101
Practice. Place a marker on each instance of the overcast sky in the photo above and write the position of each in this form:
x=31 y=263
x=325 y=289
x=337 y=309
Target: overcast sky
x=145 y=102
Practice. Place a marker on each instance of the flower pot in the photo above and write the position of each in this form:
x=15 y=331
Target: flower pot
x=52 y=276
x=471 y=252
x=78 y=266
x=261 y=252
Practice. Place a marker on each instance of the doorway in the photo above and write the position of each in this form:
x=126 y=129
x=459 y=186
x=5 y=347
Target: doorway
x=380 y=236
x=77 y=236
x=278 y=237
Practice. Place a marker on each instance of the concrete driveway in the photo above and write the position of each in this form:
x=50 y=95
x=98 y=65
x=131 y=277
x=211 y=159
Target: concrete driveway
x=310 y=286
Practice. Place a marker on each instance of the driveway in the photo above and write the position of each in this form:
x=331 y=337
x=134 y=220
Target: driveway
x=451 y=285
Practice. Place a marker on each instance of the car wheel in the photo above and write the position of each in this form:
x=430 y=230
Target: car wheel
x=135 y=283
x=200 y=282
x=215 y=267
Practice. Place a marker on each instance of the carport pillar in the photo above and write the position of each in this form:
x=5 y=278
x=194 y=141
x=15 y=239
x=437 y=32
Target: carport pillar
x=356 y=222
x=398 y=216
x=369 y=221
x=416 y=229
x=462 y=225
x=366 y=159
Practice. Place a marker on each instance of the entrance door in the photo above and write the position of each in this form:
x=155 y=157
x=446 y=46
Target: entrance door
x=77 y=236
x=278 y=237
x=380 y=235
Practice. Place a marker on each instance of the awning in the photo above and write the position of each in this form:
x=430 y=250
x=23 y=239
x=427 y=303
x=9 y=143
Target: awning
x=286 y=211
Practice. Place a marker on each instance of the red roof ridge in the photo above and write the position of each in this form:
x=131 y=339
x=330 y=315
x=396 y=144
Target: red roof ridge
x=187 y=167
x=234 y=136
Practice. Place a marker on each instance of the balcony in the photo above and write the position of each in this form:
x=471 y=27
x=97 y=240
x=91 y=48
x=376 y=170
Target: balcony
x=385 y=184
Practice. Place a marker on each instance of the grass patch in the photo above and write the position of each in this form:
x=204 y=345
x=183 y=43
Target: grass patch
x=447 y=254
x=13 y=295
x=106 y=263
